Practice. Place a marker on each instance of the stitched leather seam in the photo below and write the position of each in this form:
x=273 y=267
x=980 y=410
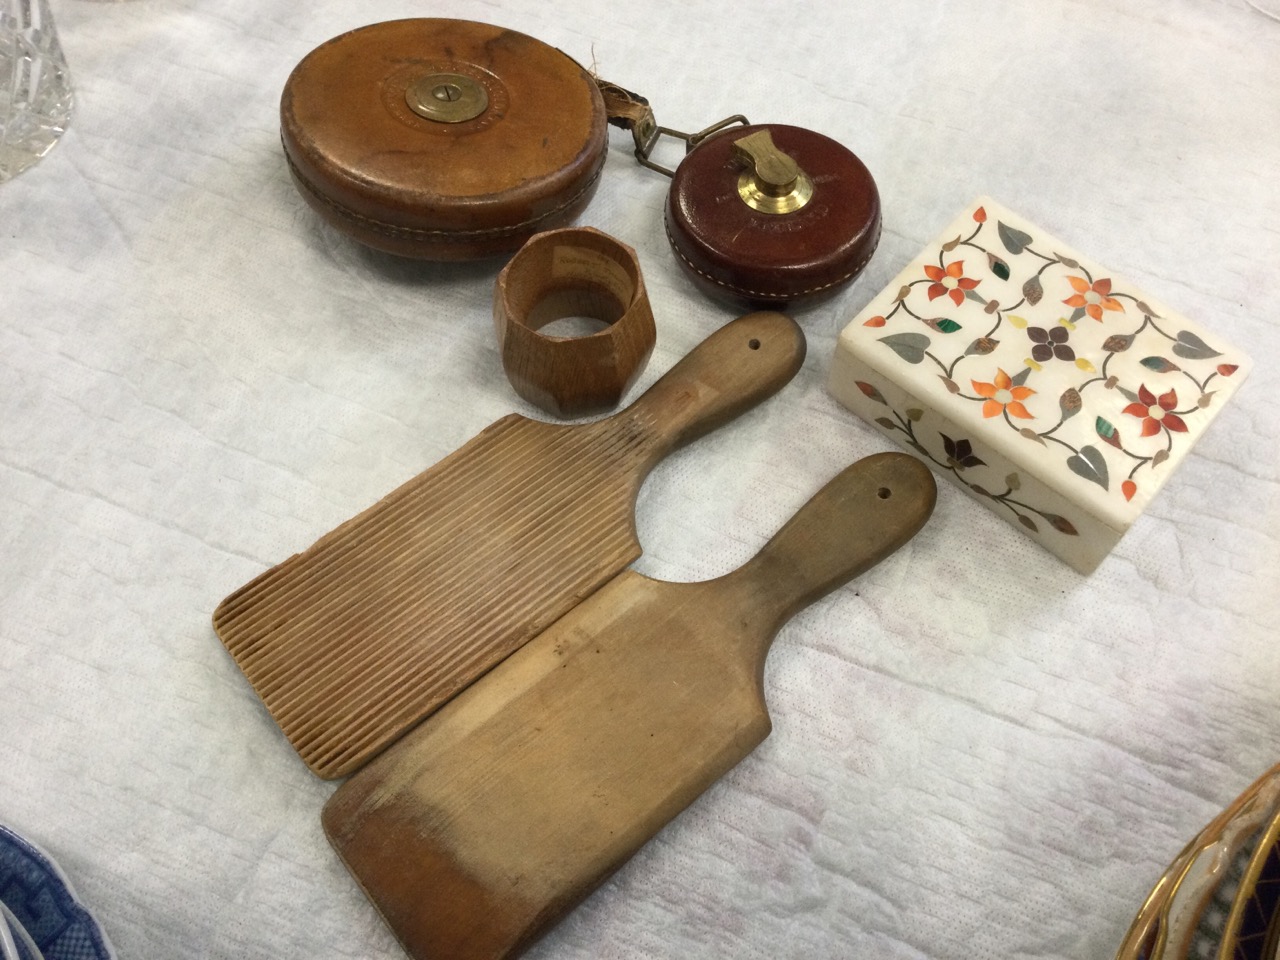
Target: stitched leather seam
x=762 y=293
x=396 y=230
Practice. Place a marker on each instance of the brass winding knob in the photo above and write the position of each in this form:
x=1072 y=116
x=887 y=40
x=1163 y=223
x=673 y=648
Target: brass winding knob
x=772 y=181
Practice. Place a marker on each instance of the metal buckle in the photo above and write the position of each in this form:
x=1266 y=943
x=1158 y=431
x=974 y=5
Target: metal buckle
x=647 y=134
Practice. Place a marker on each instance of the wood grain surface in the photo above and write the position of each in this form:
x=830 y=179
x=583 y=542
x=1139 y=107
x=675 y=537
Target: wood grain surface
x=494 y=818
x=353 y=641
x=573 y=272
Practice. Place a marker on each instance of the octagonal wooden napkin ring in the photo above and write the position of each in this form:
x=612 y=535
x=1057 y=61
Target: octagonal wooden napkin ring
x=573 y=272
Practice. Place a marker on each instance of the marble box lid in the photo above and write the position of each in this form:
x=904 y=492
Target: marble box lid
x=1043 y=356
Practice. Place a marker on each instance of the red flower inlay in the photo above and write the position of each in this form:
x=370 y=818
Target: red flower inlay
x=949 y=282
x=1156 y=414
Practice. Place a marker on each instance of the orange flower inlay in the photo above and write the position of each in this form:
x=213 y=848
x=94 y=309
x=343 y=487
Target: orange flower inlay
x=1094 y=297
x=949 y=282
x=1002 y=395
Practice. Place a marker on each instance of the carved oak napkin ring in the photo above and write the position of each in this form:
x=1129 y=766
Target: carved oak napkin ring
x=573 y=272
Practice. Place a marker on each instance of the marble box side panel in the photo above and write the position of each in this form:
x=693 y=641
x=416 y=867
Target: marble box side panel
x=1049 y=518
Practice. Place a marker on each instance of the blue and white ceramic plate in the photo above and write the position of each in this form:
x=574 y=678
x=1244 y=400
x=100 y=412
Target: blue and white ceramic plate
x=43 y=912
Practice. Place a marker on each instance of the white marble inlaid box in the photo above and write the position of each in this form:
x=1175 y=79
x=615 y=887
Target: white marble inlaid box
x=1052 y=391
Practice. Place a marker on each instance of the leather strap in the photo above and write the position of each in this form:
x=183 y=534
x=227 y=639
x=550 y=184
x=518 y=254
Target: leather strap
x=625 y=109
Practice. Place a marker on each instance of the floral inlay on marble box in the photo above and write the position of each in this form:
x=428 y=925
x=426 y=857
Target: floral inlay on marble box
x=1052 y=391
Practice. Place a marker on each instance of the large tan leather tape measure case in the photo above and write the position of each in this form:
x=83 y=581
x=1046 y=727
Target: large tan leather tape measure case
x=443 y=139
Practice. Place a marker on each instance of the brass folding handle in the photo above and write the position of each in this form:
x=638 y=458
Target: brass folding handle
x=772 y=181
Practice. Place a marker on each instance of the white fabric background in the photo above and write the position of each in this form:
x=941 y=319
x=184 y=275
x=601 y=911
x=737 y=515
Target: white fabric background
x=977 y=752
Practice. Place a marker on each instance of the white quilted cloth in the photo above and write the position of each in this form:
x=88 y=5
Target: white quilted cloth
x=977 y=753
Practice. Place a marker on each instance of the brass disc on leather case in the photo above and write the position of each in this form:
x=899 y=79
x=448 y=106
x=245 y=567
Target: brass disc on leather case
x=442 y=139
x=447 y=97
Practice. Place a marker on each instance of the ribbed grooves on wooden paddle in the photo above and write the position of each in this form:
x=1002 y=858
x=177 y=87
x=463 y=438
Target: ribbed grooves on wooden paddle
x=381 y=621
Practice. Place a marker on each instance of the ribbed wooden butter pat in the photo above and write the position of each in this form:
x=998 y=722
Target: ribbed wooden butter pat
x=352 y=642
